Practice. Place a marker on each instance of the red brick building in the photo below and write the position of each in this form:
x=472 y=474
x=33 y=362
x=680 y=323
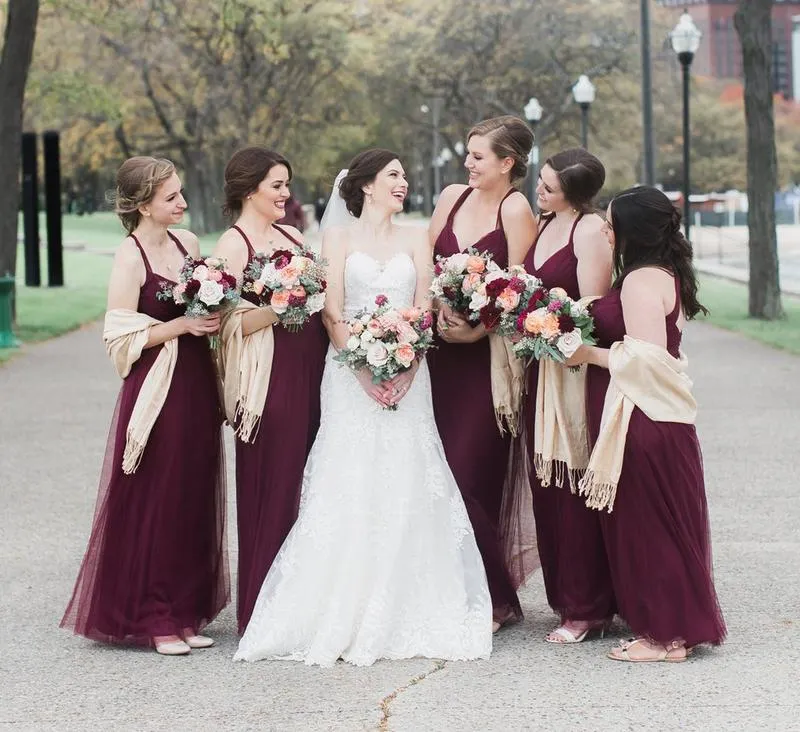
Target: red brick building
x=719 y=54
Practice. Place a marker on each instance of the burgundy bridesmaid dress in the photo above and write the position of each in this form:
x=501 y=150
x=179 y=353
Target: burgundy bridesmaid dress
x=476 y=451
x=156 y=562
x=269 y=470
x=574 y=568
x=657 y=538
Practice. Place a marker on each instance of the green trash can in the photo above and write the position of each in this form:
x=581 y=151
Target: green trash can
x=7 y=337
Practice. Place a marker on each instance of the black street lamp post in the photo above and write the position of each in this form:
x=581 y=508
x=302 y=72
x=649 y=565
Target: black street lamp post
x=685 y=39
x=583 y=93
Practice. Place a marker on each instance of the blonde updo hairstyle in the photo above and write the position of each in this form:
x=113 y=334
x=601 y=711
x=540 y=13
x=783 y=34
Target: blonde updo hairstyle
x=509 y=137
x=138 y=179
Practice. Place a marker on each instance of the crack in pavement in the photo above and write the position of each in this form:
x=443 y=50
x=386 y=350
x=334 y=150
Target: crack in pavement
x=383 y=726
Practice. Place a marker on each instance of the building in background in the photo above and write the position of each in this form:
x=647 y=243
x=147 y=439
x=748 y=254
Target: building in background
x=720 y=55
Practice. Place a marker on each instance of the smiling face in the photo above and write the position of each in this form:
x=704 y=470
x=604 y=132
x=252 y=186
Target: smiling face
x=389 y=189
x=269 y=199
x=168 y=204
x=549 y=196
x=485 y=168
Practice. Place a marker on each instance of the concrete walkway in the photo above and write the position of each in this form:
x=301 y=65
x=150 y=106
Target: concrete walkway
x=56 y=402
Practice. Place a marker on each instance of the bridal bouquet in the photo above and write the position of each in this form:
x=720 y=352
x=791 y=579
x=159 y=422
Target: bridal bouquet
x=204 y=286
x=292 y=282
x=460 y=281
x=552 y=325
x=387 y=340
x=504 y=297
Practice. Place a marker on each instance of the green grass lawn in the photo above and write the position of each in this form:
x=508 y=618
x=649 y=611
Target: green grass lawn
x=727 y=302
x=44 y=312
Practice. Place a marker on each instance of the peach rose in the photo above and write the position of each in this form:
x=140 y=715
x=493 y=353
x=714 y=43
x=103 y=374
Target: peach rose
x=258 y=287
x=280 y=301
x=404 y=355
x=213 y=261
x=300 y=263
x=475 y=265
x=508 y=299
x=357 y=327
x=550 y=327
x=406 y=334
x=289 y=275
x=177 y=293
x=533 y=322
x=410 y=314
x=470 y=283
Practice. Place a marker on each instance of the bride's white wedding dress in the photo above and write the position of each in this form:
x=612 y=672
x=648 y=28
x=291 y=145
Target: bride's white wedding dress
x=382 y=562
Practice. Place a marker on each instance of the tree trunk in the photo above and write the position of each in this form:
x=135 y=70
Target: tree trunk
x=21 y=16
x=202 y=186
x=753 y=21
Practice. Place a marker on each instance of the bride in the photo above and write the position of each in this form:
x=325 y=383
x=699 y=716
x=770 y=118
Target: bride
x=382 y=561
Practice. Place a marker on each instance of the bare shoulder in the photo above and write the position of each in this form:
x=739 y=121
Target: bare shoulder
x=647 y=283
x=590 y=225
x=589 y=237
x=291 y=231
x=128 y=255
x=189 y=240
x=451 y=193
x=334 y=242
x=517 y=205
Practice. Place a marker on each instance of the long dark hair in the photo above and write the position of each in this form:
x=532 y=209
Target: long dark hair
x=243 y=174
x=647 y=233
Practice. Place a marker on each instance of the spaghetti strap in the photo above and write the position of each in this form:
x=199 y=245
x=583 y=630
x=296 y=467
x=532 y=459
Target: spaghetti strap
x=572 y=231
x=178 y=242
x=287 y=235
x=250 y=249
x=457 y=205
x=146 y=261
x=499 y=223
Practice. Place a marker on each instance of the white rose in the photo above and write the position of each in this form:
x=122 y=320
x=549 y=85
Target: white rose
x=366 y=339
x=269 y=276
x=492 y=266
x=495 y=275
x=377 y=354
x=570 y=342
x=478 y=300
x=353 y=342
x=315 y=303
x=457 y=262
x=210 y=292
x=577 y=309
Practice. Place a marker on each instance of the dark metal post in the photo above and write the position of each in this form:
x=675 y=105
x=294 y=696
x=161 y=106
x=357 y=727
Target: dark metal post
x=686 y=62
x=647 y=97
x=585 y=125
x=30 y=209
x=52 y=189
x=437 y=173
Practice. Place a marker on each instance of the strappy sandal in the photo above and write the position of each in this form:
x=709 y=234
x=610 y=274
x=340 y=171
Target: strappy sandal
x=568 y=637
x=664 y=655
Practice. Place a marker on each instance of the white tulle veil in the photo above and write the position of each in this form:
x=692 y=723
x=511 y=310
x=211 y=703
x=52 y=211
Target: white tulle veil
x=336 y=213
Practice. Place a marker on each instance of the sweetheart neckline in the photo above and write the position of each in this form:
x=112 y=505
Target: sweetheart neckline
x=381 y=265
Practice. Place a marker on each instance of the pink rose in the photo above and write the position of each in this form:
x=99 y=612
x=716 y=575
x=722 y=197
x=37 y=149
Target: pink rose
x=475 y=265
x=508 y=299
x=406 y=334
x=470 y=283
x=215 y=275
x=258 y=287
x=381 y=300
x=377 y=354
x=404 y=355
x=289 y=276
x=375 y=329
x=177 y=293
x=200 y=273
x=357 y=327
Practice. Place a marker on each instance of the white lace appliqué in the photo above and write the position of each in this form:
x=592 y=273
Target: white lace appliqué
x=382 y=562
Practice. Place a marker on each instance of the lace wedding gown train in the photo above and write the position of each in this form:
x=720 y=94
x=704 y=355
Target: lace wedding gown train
x=382 y=562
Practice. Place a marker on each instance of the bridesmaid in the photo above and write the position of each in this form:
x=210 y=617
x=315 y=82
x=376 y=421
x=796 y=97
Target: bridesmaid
x=570 y=252
x=491 y=215
x=155 y=571
x=657 y=538
x=270 y=462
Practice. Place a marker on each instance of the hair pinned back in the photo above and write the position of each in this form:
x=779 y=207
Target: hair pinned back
x=138 y=178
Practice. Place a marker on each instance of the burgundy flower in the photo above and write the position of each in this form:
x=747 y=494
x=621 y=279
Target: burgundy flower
x=280 y=254
x=438 y=269
x=280 y=262
x=566 y=324
x=426 y=321
x=381 y=300
x=495 y=287
x=450 y=293
x=296 y=301
x=517 y=285
x=490 y=316
x=192 y=288
x=521 y=322
x=323 y=284
x=538 y=296
x=229 y=280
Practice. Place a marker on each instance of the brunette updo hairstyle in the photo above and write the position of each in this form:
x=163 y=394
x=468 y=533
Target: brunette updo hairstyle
x=243 y=174
x=138 y=178
x=580 y=174
x=647 y=233
x=509 y=137
x=363 y=169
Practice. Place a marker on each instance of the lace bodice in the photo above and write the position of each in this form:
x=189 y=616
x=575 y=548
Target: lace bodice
x=365 y=278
